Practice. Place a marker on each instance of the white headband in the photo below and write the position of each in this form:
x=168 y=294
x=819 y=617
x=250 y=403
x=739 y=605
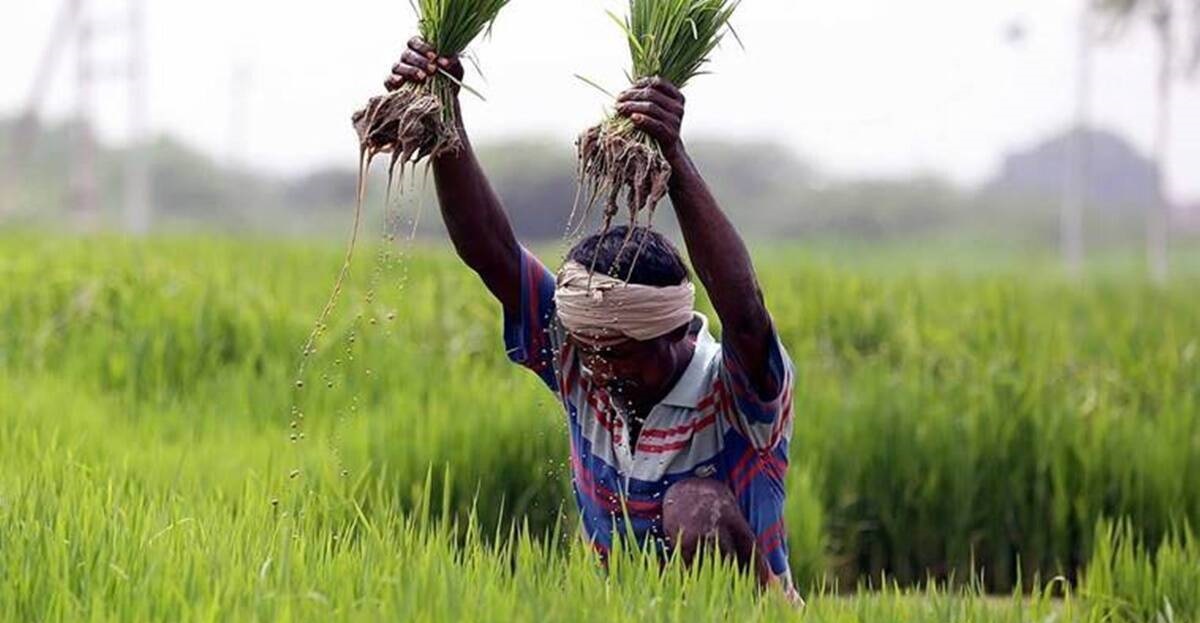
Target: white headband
x=600 y=308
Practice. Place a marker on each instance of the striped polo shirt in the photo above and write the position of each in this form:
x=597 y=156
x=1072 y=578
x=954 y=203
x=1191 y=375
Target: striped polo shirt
x=712 y=424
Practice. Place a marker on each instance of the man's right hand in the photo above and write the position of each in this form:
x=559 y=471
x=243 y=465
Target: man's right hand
x=418 y=63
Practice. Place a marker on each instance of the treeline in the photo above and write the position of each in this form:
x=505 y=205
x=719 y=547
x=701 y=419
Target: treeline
x=770 y=191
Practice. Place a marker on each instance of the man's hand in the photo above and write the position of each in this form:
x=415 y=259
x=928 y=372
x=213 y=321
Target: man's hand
x=418 y=63
x=656 y=107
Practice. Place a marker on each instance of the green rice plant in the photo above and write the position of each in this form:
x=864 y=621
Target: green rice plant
x=1130 y=580
x=945 y=423
x=668 y=39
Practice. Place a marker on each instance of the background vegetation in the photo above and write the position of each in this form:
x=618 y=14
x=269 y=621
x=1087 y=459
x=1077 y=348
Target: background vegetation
x=984 y=426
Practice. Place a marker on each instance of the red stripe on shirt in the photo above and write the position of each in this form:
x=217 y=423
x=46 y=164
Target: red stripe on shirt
x=571 y=375
x=691 y=427
x=781 y=420
x=772 y=538
x=601 y=413
x=714 y=396
x=745 y=459
x=534 y=321
x=773 y=467
x=607 y=499
x=650 y=448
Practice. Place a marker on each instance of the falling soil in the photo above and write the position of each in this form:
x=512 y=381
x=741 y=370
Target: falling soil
x=411 y=124
x=619 y=163
x=620 y=166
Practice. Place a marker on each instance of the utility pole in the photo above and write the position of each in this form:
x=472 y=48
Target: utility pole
x=83 y=168
x=1158 y=224
x=1075 y=186
x=22 y=138
x=77 y=25
x=137 y=164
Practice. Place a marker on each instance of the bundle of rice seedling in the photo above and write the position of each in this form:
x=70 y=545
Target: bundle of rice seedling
x=668 y=39
x=417 y=120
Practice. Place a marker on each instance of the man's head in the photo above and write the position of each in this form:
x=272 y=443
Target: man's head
x=659 y=264
x=629 y=318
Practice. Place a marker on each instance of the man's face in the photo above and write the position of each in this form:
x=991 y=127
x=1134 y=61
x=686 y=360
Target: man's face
x=630 y=370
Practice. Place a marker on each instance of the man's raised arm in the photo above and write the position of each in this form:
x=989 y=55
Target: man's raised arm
x=716 y=250
x=472 y=212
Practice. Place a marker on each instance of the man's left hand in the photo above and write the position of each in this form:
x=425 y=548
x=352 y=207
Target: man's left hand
x=656 y=107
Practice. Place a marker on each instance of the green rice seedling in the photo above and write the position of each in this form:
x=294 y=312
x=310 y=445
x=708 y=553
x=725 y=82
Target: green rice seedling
x=1132 y=580
x=668 y=39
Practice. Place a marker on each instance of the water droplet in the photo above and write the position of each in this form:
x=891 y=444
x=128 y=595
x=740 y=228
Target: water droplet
x=391 y=316
x=299 y=384
x=295 y=474
x=295 y=424
x=293 y=437
x=274 y=501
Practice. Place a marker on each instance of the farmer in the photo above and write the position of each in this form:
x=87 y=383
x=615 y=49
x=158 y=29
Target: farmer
x=682 y=436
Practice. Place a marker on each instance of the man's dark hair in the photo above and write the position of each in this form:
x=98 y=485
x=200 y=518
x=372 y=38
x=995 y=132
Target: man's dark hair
x=658 y=263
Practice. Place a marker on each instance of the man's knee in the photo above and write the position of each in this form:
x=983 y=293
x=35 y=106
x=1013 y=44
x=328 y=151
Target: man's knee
x=700 y=513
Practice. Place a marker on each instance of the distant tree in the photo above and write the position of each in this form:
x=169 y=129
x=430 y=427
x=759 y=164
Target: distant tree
x=1173 y=21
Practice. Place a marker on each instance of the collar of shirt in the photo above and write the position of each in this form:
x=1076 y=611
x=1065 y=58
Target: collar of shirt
x=689 y=390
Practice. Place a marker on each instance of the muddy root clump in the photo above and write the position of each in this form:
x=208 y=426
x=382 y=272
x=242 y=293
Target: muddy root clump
x=410 y=123
x=621 y=166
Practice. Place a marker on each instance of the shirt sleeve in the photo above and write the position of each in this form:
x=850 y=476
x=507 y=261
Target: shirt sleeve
x=762 y=420
x=527 y=333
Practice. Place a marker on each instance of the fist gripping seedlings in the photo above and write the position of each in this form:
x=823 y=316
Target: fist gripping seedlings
x=417 y=121
x=668 y=39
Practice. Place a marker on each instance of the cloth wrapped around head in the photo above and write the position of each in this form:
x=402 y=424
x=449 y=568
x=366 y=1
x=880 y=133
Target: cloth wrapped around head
x=600 y=309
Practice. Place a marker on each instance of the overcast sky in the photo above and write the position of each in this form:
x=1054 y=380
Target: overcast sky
x=861 y=87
